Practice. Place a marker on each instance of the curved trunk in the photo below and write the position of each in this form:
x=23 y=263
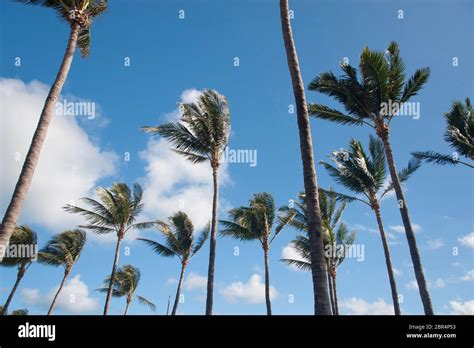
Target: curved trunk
x=267 y=282
x=388 y=261
x=66 y=273
x=331 y=292
x=414 y=253
x=32 y=157
x=318 y=263
x=19 y=276
x=129 y=300
x=112 y=276
x=178 y=290
x=212 y=242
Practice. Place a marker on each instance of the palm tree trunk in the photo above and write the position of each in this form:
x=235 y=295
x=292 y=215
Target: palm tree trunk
x=388 y=261
x=334 y=289
x=32 y=157
x=129 y=300
x=402 y=204
x=178 y=290
x=112 y=276
x=318 y=266
x=212 y=246
x=66 y=273
x=19 y=276
x=267 y=281
x=331 y=292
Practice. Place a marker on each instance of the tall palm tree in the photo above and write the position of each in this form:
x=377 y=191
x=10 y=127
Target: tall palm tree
x=318 y=264
x=459 y=134
x=201 y=136
x=116 y=213
x=64 y=250
x=179 y=242
x=336 y=236
x=255 y=222
x=368 y=101
x=366 y=176
x=23 y=238
x=125 y=284
x=78 y=14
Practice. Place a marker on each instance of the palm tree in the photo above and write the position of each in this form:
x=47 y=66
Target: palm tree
x=255 y=223
x=179 y=242
x=78 y=14
x=336 y=236
x=459 y=134
x=64 y=250
x=23 y=238
x=116 y=214
x=318 y=264
x=23 y=311
x=369 y=101
x=201 y=136
x=125 y=284
x=366 y=175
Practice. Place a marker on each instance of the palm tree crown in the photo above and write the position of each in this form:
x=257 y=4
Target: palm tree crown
x=63 y=249
x=22 y=236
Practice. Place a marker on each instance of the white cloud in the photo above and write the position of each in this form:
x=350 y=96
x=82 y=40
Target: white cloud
x=401 y=229
x=434 y=244
x=173 y=183
x=74 y=297
x=290 y=252
x=359 y=227
x=462 y=308
x=359 y=306
x=397 y=272
x=413 y=285
x=468 y=276
x=252 y=291
x=467 y=240
x=195 y=281
x=70 y=165
x=439 y=283
x=171 y=281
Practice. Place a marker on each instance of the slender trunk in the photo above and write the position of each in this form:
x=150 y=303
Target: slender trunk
x=112 y=276
x=402 y=204
x=334 y=290
x=178 y=290
x=168 y=307
x=388 y=261
x=19 y=276
x=212 y=247
x=32 y=157
x=318 y=266
x=331 y=292
x=267 y=281
x=66 y=273
x=129 y=300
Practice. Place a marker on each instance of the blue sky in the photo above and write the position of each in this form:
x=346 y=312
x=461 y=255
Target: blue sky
x=171 y=57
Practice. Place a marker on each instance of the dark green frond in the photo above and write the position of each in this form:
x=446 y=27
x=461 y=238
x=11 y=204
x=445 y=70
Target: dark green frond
x=415 y=83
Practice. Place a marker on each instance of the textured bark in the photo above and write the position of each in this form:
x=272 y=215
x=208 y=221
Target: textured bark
x=334 y=289
x=318 y=263
x=32 y=157
x=212 y=242
x=267 y=282
x=129 y=300
x=414 y=253
x=331 y=293
x=66 y=273
x=178 y=290
x=112 y=276
x=388 y=261
x=19 y=276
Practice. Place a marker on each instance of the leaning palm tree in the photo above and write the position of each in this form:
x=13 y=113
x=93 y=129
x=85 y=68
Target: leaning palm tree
x=115 y=214
x=459 y=134
x=374 y=100
x=320 y=290
x=336 y=236
x=23 y=239
x=366 y=176
x=78 y=14
x=179 y=242
x=64 y=250
x=255 y=223
x=125 y=284
x=201 y=136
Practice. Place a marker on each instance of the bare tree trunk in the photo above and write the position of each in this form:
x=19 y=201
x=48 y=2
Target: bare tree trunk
x=32 y=157
x=267 y=281
x=334 y=289
x=19 y=276
x=66 y=273
x=318 y=263
x=388 y=261
x=178 y=290
x=168 y=307
x=331 y=292
x=129 y=300
x=112 y=276
x=213 y=239
x=402 y=204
